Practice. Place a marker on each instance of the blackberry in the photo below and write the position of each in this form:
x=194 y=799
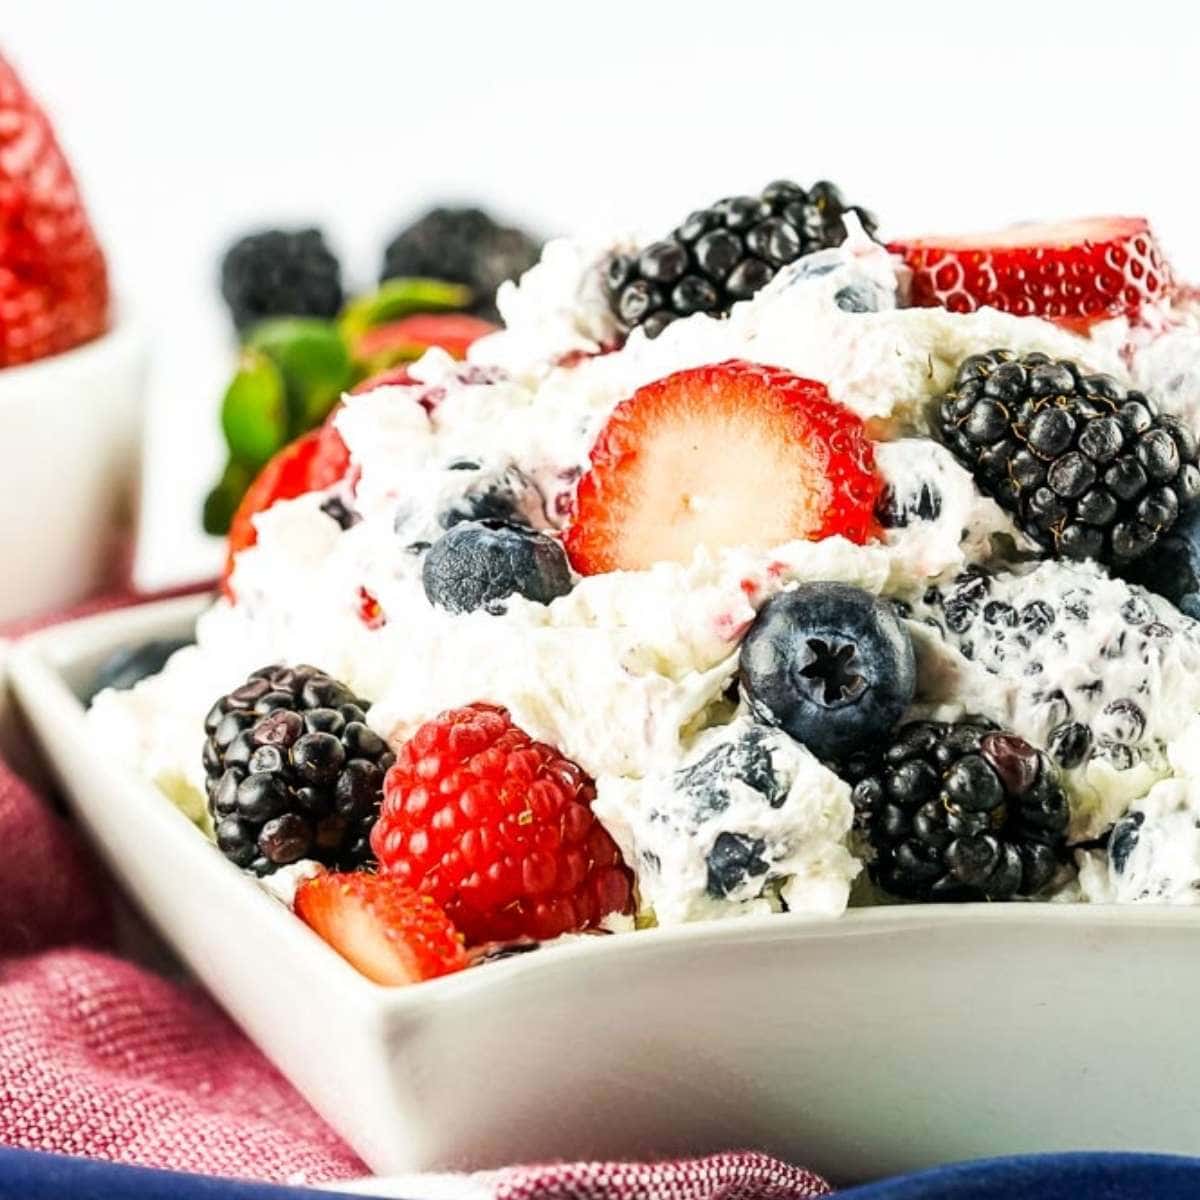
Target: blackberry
x=293 y=771
x=1088 y=467
x=961 y=811
x=280 y=274
x=726 y=253
x=462 y=245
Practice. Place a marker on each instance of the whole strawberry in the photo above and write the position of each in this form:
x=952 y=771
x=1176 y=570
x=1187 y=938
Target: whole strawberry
x=53 y=279
x=499 y=830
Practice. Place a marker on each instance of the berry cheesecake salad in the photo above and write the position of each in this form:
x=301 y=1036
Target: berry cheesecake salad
x=768 y=566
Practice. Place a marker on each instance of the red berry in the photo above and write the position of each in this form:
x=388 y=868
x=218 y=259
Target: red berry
x=1075 y=272
x=391 y=377
x=734 y=454
x=499 y=830
x=409 y=337
x=370 y=611
x=309 y=464
x=53 y=279
x=389 y=932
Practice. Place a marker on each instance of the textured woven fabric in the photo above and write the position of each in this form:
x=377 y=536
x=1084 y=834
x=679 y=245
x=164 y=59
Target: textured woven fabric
x=722 y=1177
x=102 y=1058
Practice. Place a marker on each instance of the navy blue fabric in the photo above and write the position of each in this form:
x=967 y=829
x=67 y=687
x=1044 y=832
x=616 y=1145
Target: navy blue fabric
x=31 y=1175
x=1047 y=1177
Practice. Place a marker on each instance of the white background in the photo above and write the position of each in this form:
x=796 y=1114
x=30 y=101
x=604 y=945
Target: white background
x=189 y=122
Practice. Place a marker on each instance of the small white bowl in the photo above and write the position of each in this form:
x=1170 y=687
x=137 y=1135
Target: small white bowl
x=885 y=1041
x=70 y=428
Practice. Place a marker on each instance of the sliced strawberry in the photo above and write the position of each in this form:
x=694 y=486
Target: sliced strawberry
x=309 y=464
x=409 y=337
x=382 y=927
x=391 y=377
x=1075 y=272
x=734 y=454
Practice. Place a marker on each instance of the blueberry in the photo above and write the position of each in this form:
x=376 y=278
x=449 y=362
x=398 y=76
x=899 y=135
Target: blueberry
x=732 y=861
x=126 y=667
x=1122 y=720
x=479 y=564
x=830 y=664
x=813 y=266
x=859 y=298
x=1037 y=616
x=509 y=496
x=1123 y=839
x=1000 y=614
x=338 y=510
x=747 y=761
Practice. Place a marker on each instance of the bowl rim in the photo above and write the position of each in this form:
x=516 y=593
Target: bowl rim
x=123 y=335
x=36 y=665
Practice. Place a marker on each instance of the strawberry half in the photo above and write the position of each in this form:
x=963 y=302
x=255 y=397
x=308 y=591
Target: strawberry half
x=383 y=928
x=732 y=454
x=1074 y=272
x=309 y=464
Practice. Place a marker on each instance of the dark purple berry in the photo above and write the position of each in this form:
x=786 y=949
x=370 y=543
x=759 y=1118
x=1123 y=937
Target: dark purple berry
x=275 y=790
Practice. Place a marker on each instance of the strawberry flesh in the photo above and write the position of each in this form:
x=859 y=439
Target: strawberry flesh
x=731 y=454
x=390 y=933
x=1073 y=272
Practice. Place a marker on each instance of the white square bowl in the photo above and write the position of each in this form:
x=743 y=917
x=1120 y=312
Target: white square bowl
x=891 y=1039
x=70 y=426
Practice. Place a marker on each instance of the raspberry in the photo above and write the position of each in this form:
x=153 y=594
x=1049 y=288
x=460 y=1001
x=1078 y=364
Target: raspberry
x=499 y=830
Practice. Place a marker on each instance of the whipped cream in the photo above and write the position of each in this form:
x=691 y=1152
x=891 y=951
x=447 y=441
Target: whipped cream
x=1099 y=672
x=630 y=674
x=749 y=821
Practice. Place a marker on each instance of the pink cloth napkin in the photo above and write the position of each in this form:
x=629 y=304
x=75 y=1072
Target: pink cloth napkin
x=103 y=1058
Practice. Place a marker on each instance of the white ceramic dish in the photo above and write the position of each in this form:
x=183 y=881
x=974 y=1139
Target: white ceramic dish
x=889 y=1040
x=70 y=427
